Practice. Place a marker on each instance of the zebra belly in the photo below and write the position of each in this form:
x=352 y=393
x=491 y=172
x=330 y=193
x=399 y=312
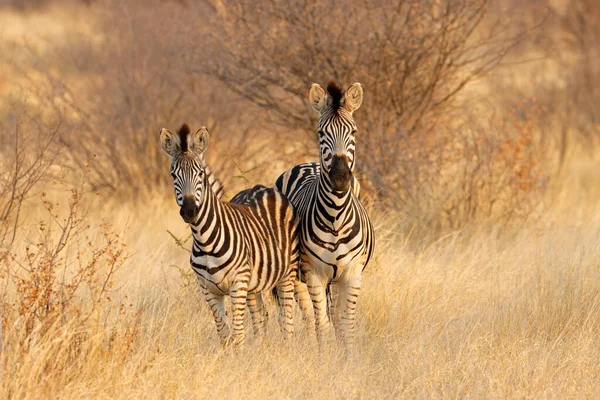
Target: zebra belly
x=220 y=282
x=217 y=277
x=258 y=285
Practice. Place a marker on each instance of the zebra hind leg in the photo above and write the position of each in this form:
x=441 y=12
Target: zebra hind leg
x=258 y=312
x=285 y=297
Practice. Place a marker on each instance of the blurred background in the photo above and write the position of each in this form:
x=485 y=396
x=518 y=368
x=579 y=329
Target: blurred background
x=477 y=151
x=471 y=108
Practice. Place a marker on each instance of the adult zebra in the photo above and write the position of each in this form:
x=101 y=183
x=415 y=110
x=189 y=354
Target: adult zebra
x=336 y=235
x=240 y=248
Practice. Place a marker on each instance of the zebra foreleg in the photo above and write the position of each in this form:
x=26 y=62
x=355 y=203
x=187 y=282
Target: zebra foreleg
x=238 y=294
x=335 y=310
x=258 y=312
x=285 y=294
x=348 y=300
x=316 y=289
x=216 y=303
x=304 y=302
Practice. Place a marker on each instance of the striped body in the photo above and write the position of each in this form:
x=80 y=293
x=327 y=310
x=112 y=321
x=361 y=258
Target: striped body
x=336 y=235
x=254 y=234
x=334 y=231
x=240 y=248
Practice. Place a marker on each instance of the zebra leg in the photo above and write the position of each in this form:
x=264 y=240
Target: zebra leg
x=319 y=300
x=285 y=293
x=335 y=310
x=348 y=300
x=258 y=313
x=304 y=302
x=216 y=303
x=238 y=294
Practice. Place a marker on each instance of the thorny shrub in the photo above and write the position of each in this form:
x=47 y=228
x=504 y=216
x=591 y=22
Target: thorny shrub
x=60 y=286
x=57 y=265
x=490 y=169
x=63 y=273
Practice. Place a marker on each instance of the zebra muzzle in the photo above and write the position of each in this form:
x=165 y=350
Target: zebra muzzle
x=189 y=210
x=340 y=173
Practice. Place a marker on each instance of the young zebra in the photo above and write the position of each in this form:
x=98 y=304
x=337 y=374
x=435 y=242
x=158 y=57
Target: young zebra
x=336 y=235
x=240 y=248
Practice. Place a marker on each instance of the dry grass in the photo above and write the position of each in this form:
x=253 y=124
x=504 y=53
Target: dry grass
x=486 y=311
x=479 y=314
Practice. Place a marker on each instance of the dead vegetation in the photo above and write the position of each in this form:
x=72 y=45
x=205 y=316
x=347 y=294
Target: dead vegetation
x=475 y=150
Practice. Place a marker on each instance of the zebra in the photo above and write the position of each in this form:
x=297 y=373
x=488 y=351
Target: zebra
x=255 y=302
x=241 y=247
x=336 y=235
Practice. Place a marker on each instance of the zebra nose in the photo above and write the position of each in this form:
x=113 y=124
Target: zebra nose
x=188 y=211
x=340 y=173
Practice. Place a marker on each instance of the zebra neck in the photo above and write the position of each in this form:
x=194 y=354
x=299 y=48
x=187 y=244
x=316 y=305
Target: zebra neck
x=331 y=207
x=210 y=221
x=214 y=183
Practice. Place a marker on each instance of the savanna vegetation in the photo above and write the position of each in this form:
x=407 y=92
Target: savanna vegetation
x=477 y=153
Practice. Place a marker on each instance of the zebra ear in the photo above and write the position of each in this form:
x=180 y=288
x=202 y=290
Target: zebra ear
x=170 y=143
x=317 y=97
x=354 y=97
x=200 y=140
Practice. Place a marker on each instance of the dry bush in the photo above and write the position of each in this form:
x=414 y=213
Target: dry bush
x=417 y=152
x=574 y=96
x=56 y=266
x=579 y=37
x=47 y=279
x=27 y=151
x=412 y=57
x=25 y=159
x=59 y=281
x=487 y=168
x=563 y=77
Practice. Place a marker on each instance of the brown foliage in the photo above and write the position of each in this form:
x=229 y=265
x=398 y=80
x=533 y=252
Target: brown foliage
x=412 y=57
x=246 y=68
x=57 y=272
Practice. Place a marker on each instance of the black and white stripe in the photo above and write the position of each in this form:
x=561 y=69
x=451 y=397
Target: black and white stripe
x=336 y=235
x=240 y=248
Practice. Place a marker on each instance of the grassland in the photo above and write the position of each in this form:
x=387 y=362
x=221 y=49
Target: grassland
x=482 y=314
x=484 y=311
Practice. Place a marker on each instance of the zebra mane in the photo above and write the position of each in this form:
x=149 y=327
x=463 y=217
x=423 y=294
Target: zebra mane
x=335 y=94
x=183 y=133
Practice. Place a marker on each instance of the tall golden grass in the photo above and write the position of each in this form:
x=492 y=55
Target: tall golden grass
x=484 y=310
x=481 y=314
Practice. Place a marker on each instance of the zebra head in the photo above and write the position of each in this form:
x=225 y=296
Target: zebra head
x=187 y=168
x=336 y=130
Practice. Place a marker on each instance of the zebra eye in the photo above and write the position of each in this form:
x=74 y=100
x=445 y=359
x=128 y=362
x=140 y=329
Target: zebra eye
x=321 y=134
x=173 y=175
